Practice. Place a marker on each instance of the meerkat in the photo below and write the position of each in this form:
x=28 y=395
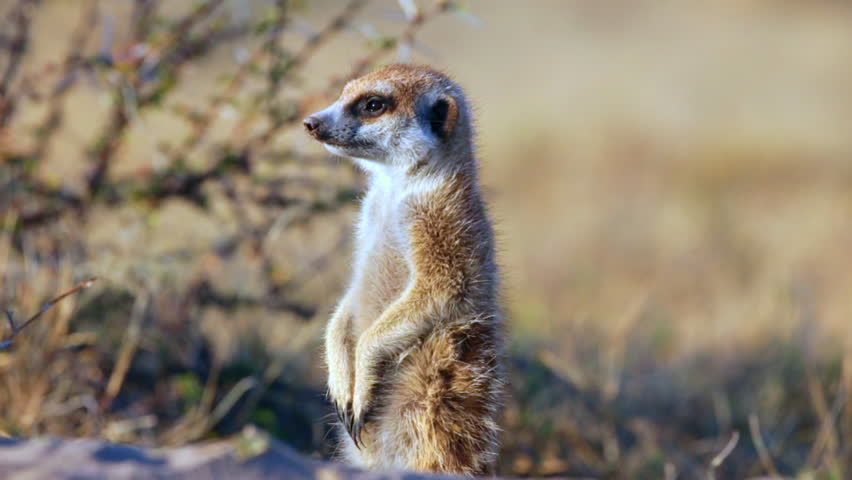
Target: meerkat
x=414 y=348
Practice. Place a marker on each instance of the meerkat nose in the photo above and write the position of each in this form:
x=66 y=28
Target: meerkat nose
x=312 y=123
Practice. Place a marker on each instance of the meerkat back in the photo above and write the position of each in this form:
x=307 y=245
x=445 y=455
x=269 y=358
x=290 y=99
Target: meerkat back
x=415 y=347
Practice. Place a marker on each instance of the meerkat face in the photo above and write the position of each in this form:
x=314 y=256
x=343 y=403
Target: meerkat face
x=399 y=115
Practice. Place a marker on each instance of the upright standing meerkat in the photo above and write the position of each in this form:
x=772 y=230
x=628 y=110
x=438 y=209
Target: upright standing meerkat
x=415 y=346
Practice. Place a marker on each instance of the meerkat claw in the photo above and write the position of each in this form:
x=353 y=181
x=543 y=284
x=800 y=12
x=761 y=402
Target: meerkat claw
x=357 y=426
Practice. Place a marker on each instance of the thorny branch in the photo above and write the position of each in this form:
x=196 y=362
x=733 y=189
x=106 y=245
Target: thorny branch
x=202 y=125
x=126 y=96
x=135 y=88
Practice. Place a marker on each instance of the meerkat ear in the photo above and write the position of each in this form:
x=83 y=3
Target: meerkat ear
x=443 y=115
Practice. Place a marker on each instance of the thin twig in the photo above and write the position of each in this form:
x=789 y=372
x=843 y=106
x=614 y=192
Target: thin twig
x=47 y=306
x=723 y=454
x=128 y=350
x=762 y=451
x=227 y=403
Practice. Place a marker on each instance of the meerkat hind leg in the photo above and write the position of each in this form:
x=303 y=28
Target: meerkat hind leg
x=440 y=416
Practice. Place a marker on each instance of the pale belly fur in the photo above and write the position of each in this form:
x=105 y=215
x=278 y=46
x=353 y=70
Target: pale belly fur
x=381 y=271
x=385 y=276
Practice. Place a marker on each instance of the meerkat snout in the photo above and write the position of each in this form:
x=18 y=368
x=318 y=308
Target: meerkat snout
x=312 y=124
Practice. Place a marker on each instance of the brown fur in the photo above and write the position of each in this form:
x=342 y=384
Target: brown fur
x=410 y=81
x=441 y=402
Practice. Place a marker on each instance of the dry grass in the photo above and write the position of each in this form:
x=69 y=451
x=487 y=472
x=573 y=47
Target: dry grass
x=673 y=185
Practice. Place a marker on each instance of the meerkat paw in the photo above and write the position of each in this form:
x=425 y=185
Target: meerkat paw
x=343 y=408
x=340 y=394
x=362 y=408
x=364 y=390
x=340 y=362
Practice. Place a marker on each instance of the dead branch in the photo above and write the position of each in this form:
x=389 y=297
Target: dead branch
x=16 y=329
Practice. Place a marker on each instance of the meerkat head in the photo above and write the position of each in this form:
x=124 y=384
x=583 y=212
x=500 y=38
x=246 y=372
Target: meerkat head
x=399 y=115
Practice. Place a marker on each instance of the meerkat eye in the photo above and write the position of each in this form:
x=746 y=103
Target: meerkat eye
x=375 y=106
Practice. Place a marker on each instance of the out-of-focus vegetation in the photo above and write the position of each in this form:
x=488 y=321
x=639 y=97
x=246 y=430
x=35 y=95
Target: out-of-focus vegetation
x=673 y=185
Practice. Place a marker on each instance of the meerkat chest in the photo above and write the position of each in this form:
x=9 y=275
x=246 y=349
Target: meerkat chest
x=382 y=255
